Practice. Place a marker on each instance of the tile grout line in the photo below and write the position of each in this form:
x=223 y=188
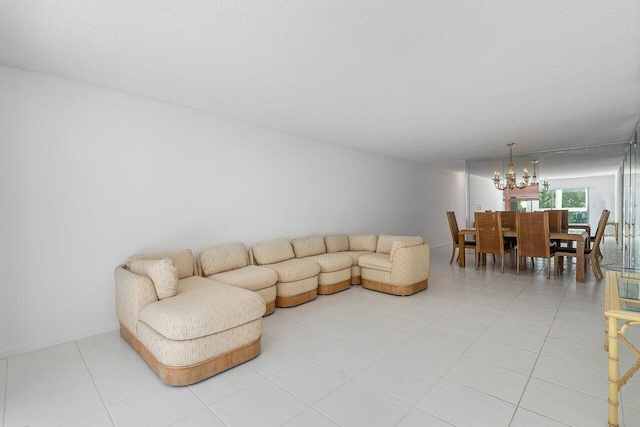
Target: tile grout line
x=456 y=361
x=517 y=405
x=538 y=358
x=94 y=386
x=206 y=407
x=355 y=377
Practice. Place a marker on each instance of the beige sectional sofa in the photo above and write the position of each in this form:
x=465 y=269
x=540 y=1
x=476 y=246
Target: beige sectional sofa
x=229 y=264
x=187 y=328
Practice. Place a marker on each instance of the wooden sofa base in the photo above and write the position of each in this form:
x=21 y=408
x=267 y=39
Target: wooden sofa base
x=294 y=300
x=356 y=280
x=185 y=375
x=336 y=287
x=271 y=307
x=394 y=290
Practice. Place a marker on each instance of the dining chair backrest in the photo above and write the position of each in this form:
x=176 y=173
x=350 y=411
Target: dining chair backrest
x=532 y=229
x=508 y=219
x=600 y=231
x=453 y=226
x=489 y=239
x=604 y=217
x=558 y=220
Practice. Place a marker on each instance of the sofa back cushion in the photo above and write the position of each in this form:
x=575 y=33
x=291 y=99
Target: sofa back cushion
x=363 y=242
x=162 y=272
x=308 y=246
x=386 y=242
x=183 y=260
x=223 y=258
x=272 y=251
x=337 y=243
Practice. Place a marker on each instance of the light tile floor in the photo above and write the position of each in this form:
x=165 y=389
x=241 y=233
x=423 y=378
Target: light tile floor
x=478 y=348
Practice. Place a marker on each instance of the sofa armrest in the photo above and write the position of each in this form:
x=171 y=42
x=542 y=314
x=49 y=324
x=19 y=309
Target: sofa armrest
x=411 y=265
x=133 y=292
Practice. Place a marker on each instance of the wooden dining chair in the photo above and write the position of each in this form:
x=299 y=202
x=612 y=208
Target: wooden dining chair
x=532 y=230
x=591 y=255
x=555 y=221
x=509 y=221
x=602 y=219
x=455 y=235
x=489 y=237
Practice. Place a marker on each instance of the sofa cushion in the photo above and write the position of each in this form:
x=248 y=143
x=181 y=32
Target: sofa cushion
x=295 y=269
x=183 y=260
x=223 y=258
x=308 y=246
x=272 y=251
x=336 y=243
x=162 y=272
x=385 y=242
x=363 y=242
x=375 y=261
x=250 y=277
x=332 y=262
x=355 y=255
x=397 y=245
x=203 y=310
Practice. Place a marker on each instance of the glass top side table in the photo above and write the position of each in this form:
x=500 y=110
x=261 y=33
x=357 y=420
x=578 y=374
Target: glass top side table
x=621 y=303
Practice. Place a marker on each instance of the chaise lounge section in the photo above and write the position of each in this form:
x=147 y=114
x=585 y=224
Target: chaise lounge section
x=185 y=327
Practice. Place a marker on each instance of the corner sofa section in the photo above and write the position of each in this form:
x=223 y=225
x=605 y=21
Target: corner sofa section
x=354 y=246
x=185 y=327
x=400 y=265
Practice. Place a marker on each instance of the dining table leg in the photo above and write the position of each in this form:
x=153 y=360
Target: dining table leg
x=461 y=250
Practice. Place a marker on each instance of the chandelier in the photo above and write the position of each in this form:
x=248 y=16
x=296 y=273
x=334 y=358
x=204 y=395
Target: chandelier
x=534 y=179
x=511 y=180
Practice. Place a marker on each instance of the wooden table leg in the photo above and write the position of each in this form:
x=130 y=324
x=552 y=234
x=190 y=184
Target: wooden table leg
x=580 y=261
x=461 y=250
x=613 y=371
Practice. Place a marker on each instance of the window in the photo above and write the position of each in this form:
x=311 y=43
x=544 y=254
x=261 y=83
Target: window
x=575 y=200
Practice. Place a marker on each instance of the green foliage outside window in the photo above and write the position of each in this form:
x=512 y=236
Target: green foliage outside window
x=547 y=200
x=574 y=198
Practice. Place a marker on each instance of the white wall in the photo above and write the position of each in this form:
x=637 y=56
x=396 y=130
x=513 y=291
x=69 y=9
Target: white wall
x=483 y=193
x=90 y=176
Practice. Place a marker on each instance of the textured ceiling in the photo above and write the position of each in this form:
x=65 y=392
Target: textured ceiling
x=432 y=81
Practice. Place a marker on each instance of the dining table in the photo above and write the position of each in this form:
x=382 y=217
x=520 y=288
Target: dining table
x=578 y=235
